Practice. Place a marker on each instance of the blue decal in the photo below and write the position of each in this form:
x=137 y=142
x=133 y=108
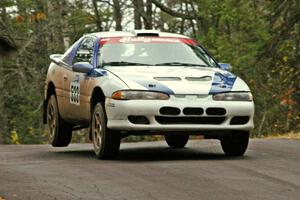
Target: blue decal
x=98 y=73
x=153 y=85
x=72 y=54
x=95 y=54
x=222 y=83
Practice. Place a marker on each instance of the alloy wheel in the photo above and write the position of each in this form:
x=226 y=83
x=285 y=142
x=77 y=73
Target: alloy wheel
x=97 y=131
x=51 y=121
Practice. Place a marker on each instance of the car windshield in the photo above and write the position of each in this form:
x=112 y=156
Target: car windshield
x=152 y=51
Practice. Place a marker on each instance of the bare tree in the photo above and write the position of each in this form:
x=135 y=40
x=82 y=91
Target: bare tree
x=175 y=13
x=97 y=15
x=148 y=19
x=117 y=14
x=138 y=6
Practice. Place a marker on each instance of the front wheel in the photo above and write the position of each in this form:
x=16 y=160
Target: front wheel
x=106 y=142
x=236 y=144
x=176 y=141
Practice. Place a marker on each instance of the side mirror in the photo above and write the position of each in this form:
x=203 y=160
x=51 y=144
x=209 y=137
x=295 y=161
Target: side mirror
x=82 y=67
x=225 y=66
x=56 y=58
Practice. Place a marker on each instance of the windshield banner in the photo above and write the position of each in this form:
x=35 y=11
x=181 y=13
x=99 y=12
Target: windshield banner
x=130 y=40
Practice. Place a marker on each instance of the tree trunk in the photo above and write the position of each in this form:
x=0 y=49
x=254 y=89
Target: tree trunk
x=97 y=16
x=55 y=26
x=137 y=16
x=149 y=19
x=117 y=15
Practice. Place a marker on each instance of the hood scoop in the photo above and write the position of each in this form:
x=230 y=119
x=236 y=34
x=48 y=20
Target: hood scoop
x=203 y=78
x=167 y=78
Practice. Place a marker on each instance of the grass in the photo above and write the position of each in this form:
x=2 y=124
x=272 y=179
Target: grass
x=290 y=135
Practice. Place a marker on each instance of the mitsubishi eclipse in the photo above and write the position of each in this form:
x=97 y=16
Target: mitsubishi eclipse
x=145 y=82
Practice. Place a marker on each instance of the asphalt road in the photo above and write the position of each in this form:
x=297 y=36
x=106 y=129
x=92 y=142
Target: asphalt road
x=270 y=170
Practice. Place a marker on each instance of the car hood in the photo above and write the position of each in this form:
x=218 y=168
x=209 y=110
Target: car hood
x=178 y=79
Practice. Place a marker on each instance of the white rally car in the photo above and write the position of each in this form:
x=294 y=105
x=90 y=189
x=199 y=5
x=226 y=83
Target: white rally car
x=145 y=83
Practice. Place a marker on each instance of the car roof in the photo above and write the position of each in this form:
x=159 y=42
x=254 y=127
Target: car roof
x=135 y=33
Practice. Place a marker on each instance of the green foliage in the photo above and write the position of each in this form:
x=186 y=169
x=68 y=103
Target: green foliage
x=263 y=52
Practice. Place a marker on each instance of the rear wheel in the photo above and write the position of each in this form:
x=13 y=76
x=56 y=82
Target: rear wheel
x=236 y=144
x=106 y=142
x=60 y=132
x=176 y=141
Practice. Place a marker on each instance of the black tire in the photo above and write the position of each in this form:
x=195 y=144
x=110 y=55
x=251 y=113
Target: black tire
x=236 y=144
x=106 y=142
x=60 y=132
x=176 y=141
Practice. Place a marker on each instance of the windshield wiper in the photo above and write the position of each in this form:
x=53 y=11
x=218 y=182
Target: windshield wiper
x=123 y=63
x=181 y=64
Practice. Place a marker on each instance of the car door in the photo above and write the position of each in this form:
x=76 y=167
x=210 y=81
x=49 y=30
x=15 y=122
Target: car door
x=79 y=95
x=61 y=75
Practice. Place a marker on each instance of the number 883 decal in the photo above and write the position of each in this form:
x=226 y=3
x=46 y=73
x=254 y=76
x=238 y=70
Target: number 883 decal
x=75 y=91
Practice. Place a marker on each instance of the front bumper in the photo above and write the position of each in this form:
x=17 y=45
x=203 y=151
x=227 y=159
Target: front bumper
x=118 y=112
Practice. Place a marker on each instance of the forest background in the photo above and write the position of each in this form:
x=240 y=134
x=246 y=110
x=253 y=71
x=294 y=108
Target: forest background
x=259 y=38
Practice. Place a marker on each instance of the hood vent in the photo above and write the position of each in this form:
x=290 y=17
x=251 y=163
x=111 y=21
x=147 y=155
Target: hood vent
x=167 y=78
x=203 y=78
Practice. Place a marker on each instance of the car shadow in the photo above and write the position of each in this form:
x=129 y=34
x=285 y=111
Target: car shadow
x=144 y=154
x=152 y=154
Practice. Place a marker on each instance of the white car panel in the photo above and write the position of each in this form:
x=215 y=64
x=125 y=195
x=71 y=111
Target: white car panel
x=118 y=112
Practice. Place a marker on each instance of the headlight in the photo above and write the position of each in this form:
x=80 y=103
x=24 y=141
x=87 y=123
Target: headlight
x=233 y=96
x=136 y=95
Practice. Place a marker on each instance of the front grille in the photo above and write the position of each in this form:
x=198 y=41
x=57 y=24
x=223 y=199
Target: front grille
x=138 y=119
x=193 y=111
x=189 y=120
x=169 y=111
x=239 y=120
x=215 y=111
